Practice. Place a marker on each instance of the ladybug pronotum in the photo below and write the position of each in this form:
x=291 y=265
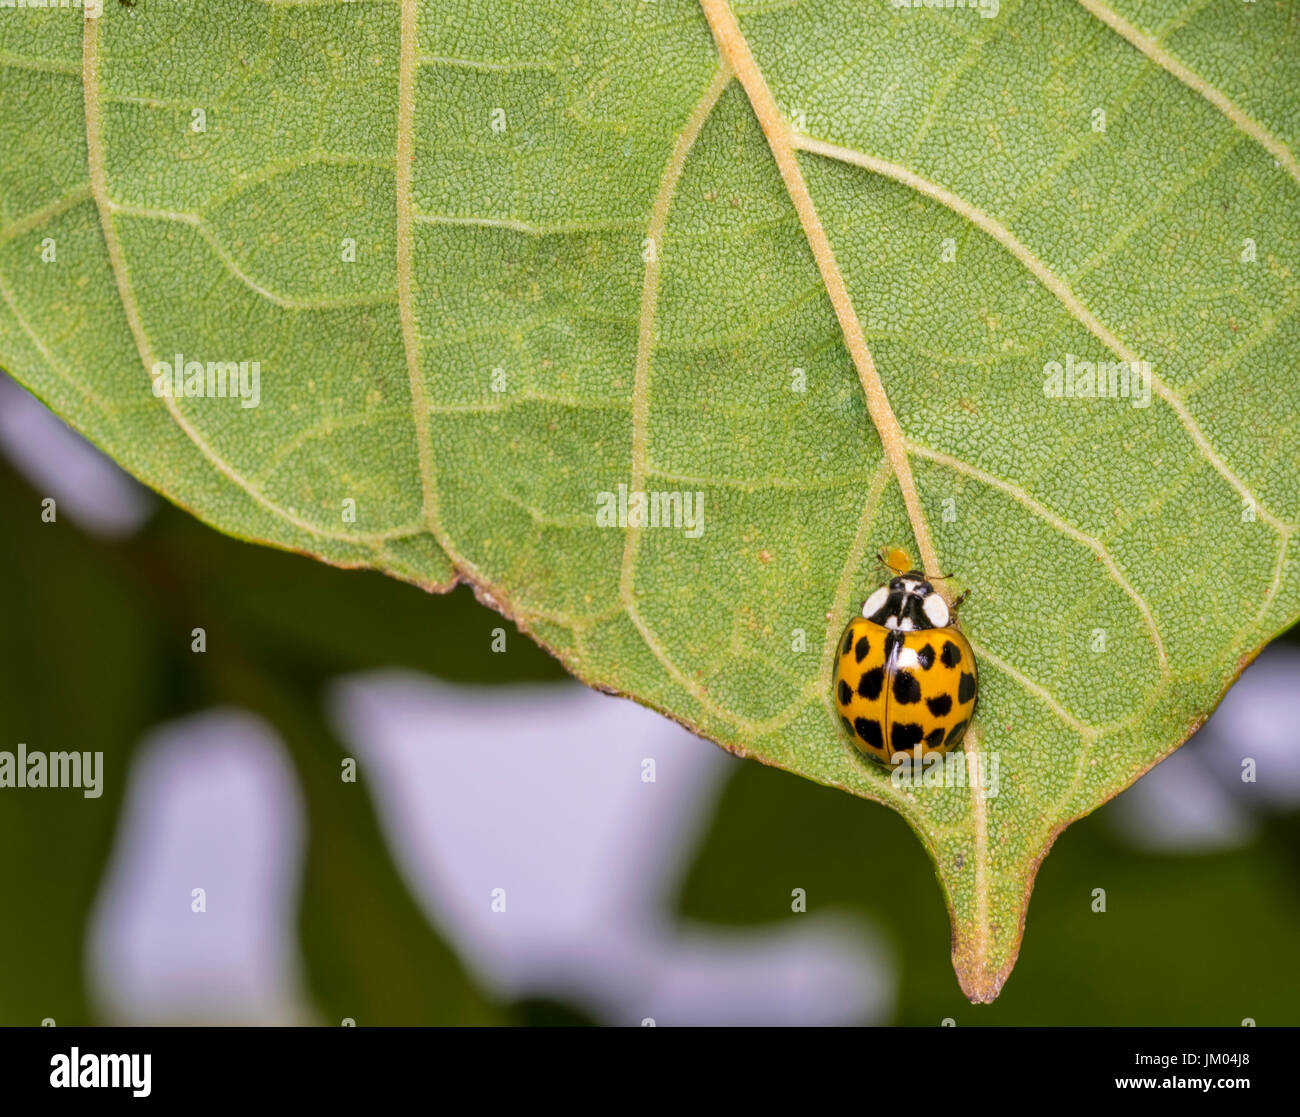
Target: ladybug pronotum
x=905 y=679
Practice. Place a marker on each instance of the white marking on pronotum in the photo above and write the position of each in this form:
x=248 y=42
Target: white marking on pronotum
x=937 y=610
x=875 y=602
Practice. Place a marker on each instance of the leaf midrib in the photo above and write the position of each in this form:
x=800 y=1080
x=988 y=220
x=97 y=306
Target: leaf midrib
x=783 y=142
x=734 y=49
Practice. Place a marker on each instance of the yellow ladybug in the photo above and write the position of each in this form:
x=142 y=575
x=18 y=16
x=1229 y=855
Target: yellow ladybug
x=905 y=679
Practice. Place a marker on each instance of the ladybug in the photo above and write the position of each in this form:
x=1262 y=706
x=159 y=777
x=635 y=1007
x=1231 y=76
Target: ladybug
x=905 y=679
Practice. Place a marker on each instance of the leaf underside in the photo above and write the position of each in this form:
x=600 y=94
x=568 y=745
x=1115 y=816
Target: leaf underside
x=578 y=264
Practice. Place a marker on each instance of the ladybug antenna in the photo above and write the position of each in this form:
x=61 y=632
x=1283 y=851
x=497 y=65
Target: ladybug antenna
x=880 y=558
x=961 y=597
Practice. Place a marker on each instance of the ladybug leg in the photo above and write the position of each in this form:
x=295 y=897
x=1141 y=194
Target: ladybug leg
x=965 y=594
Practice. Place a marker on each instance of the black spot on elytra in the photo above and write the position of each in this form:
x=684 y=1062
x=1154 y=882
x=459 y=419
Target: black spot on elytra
x=869 y=731
x=845 y=693
x=870 y=683
x=863 y=646
x=966 y=688
x=938 y=706
x=847 y=725
x=848 y=641
x=956 y=733
x=906 y=689
x=926 y=656
x=892 y=640
x=935 y=738
x=903 y=737
x=951 y=654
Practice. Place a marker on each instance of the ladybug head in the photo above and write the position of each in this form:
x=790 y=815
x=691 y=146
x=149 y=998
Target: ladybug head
x=913 y=582
x=907 y=603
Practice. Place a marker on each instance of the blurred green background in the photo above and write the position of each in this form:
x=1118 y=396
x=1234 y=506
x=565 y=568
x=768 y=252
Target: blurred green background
x=94 y=651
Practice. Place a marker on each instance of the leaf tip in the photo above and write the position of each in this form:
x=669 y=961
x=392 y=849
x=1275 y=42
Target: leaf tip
x=980 y=986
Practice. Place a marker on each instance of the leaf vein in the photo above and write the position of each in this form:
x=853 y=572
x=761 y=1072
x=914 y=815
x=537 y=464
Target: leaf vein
x=1056 y=285
x=130 y=306
x=1166 y=61
x=1063 y=526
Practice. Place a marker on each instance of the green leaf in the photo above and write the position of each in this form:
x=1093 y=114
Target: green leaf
x=600 y=243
